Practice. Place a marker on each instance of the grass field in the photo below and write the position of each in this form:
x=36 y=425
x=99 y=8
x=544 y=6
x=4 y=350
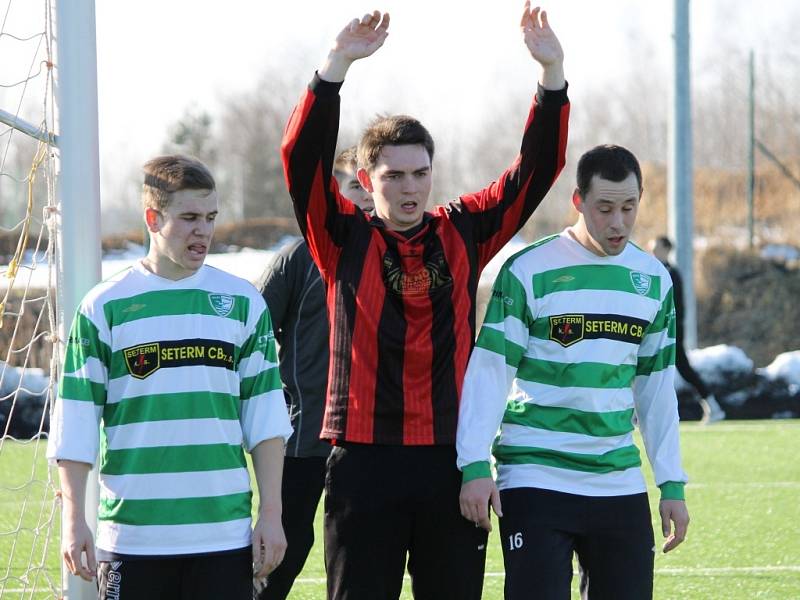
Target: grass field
x=744 y=538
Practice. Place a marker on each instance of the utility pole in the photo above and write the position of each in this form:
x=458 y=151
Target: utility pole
x=680 y=184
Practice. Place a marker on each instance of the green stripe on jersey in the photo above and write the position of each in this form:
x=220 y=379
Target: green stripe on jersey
x=264 y=382
x=620 y=459
x=603 y=278
x=495 y=341
x=569 y=420
x=84 y=343
x=176 y=511
x=171 y=459
x=646 y=365
x=508 y=300
x=261 y=340
x=170 y=407
x=164 y=303
x=76 y=388
x=588 y=375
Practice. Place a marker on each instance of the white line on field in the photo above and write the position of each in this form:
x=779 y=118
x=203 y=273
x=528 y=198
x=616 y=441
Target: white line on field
x=744 y=484
x=769 y=425
x=665 y=571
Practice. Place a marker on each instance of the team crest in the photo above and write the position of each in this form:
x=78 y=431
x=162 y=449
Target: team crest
x=641 y=282
x=143 y=360
x=566 y=329
x=221 y=303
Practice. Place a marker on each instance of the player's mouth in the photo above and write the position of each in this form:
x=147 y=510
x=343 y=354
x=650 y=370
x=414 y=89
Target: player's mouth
x=409 y=207
x=198 y=250
x=616 y=240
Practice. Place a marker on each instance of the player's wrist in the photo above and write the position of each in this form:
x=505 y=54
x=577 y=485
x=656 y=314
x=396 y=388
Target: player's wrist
x=476 y=470
x=672 y=490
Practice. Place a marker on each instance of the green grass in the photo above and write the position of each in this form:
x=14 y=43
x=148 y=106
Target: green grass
x=744 y=538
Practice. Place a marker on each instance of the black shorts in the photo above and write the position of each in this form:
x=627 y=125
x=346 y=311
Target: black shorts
x=226 y=575
x=386 y=503
x=612 y=537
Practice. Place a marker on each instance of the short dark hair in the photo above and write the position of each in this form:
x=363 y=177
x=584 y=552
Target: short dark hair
x=346 y=161
x=608 y=161
x=395 y=130
x=165 y=175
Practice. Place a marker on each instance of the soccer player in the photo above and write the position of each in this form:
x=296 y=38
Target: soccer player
x=401 y=303
x=577 y=346
x=170 y=370
x=295 y=296
x=712 y=412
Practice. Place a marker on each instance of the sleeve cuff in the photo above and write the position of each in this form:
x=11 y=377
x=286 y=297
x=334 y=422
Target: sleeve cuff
x=325 y=89
x=554 y=98
x=476 y=470
x=672 y=490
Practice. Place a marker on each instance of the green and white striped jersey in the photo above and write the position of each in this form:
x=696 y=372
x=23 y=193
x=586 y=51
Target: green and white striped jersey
x=574 y=350
x=169 y=380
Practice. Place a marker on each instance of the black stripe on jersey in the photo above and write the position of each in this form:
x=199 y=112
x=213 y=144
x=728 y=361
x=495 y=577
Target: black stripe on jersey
x=389 y=390
x=349 y=270
x=444 y=390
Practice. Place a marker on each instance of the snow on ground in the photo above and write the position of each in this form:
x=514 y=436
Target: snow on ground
x=34 y=381
x=716 y=363
x=785 y=366
x=247 y=263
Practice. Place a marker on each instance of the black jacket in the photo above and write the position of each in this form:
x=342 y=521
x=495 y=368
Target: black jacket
x=295 y=295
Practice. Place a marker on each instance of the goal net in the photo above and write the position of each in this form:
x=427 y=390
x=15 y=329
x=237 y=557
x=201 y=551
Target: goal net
x=29 y=507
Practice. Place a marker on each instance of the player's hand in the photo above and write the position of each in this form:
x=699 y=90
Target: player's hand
x=673 y=512
x=77 y=541
x=539 y=38
x=474 y=501
x=362 y=37
x=269 y=544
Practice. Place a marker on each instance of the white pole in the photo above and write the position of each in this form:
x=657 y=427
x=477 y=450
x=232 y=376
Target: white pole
x=681 y=201
x=79 y=194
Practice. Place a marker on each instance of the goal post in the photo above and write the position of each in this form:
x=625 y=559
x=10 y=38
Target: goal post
x=79 y=195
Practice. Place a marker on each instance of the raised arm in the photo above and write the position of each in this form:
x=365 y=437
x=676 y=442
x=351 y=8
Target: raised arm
x=309 y=144
x=500 y=210
x=359 y=39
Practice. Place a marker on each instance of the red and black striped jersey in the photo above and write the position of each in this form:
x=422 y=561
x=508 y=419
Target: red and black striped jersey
x=402 y=307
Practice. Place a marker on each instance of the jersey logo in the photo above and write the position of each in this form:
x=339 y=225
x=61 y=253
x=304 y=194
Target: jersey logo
x=564 y=279
x=143 y=360
x=221 y=303
x=641 y=282
x=134 y=308
x=566 y=329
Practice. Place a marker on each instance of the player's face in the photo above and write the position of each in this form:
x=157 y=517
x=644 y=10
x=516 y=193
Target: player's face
x=181 y=233
x=400 y=184
x=351 y=189
x=609 y=212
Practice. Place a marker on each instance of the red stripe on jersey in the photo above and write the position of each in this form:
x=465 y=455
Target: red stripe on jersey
x=417 y=405
x=456 y=254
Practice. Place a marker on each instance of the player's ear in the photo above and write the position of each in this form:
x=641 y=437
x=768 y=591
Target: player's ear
x=577 y=200
x=151 y=219
x=365 y=180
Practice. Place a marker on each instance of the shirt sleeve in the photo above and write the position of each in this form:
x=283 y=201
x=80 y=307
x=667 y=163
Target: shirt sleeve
x=500 y=210
x=263 y=413
x=492 y=368
x=325 y=217
x=75 y=423
x=656 y=402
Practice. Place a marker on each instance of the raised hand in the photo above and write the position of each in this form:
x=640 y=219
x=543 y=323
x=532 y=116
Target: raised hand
x=359 y=39
x=543 y=46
